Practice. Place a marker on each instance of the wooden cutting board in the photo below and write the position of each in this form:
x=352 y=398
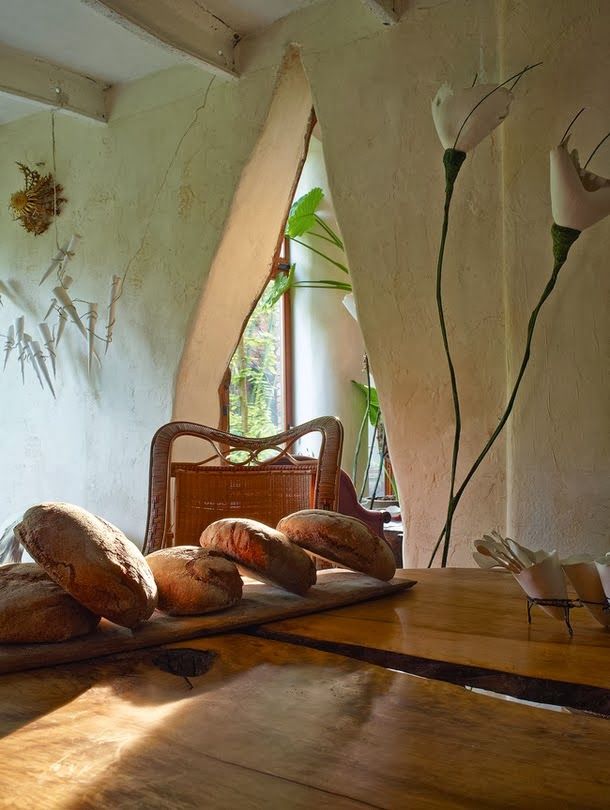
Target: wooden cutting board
x=261 y=603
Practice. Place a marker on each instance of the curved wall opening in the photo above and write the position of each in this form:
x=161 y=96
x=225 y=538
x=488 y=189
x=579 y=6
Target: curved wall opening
x=244 y=257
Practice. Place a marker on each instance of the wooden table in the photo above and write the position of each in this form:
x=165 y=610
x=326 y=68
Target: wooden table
x=273 y=725
x=468 y=626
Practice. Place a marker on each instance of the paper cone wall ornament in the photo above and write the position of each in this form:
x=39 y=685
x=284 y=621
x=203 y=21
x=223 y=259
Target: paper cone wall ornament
x=9 y=344
x=115 y=292
x=55 y=262
x=49 y=343
x=52 y=306
x=42 y=365
x=62 y=319
x=27 y=342
x=67 y=304
x=19 y=327
x=91 y=322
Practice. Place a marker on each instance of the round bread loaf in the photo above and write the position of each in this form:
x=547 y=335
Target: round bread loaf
x=340 y=539
x=262 y=552
x=33 y=608
x=92 y=560
x=191 y=580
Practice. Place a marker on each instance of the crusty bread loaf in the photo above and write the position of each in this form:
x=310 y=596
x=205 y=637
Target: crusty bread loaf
x=92 y=560
x=191 y=580
x=340 y=539
x=33 y=608
x=262 y=552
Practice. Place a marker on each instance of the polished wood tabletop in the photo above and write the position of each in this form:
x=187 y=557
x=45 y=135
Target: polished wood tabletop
x=464 y=619
x=275 y=725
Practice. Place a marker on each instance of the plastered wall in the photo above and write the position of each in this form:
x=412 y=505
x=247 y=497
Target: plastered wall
x=371 y=87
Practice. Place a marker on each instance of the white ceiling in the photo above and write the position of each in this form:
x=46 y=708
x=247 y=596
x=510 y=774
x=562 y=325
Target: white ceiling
x=12 y=107
x=72 y=35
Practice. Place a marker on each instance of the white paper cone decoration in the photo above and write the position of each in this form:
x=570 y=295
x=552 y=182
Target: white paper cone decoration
x=74 y=239
x=52 y=307
x=55 y=262
x=64 y=298
x=545 y=580
x=92 y=320
x=9 y=345
x=19 y=327
x=49 y=343
x=62 y=319
x=115 y=292
x=27 y=342
x=42 y=365
x=584 y=576
x=603 y=569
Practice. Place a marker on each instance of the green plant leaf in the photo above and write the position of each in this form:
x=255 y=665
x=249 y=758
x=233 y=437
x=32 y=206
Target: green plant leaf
x=374 y=401
x=302 y=213
x=280 y=285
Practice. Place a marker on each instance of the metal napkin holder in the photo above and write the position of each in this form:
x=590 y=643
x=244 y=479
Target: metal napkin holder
x=565 y=604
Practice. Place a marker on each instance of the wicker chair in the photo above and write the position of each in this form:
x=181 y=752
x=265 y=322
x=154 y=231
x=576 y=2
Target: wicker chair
x=255 y=478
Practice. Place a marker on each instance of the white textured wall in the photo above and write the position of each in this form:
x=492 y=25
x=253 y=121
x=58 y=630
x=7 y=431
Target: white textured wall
x=372 y=88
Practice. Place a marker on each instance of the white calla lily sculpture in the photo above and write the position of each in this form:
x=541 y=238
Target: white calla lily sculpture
x=464 y=118
x=579 y=198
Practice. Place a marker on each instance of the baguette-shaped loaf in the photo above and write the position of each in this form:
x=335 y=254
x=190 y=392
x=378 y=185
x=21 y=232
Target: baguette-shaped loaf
x=262 y=552
x=340 y=539
x=92 y=560
x=34 y=609
x=191 y=580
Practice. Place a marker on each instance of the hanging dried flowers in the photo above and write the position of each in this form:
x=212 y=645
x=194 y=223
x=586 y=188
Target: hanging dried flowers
x=35 y=205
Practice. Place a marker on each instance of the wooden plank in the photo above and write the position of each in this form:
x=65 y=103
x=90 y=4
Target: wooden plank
x=471 y=618
x=260 y=603
x=276 y=726
x=182 y=27
x=387 y=12
x=28 y=77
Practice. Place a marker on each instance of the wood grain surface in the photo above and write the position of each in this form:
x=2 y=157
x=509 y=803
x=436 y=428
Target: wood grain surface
x=272 y=725
x=467 y=617
x=260 y=603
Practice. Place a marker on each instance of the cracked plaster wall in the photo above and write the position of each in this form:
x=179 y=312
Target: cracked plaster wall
x=372 y=89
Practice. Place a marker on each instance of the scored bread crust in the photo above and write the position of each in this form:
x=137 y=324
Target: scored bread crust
x=92 y=560
x=192 y=581
x=35 y=609
x=263 y=552
x=340 y=539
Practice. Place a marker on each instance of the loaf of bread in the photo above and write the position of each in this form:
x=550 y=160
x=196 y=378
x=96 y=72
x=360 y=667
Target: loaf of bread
x=191 y=580
x=34 y=609
x=340 y=539
x=261 y=552
x=92 y=560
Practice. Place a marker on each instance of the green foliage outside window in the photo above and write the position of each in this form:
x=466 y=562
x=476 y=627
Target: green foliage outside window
x=255 y=394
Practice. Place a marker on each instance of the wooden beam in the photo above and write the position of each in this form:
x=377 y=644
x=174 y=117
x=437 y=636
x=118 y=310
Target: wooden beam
x=26 y=76
x=388 y=12
x=182 y=27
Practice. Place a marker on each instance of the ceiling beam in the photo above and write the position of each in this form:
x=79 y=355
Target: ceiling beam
x=388 y=12
x=183 y=27
x=26 y=76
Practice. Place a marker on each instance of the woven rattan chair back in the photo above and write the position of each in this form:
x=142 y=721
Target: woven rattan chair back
x=256 y=478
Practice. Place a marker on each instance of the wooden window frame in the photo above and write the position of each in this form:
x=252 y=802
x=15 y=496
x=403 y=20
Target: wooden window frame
x=280 y=263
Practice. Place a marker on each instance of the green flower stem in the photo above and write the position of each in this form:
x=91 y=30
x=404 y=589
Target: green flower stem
x=365 y=419
x=563 y=239
x=452 y=160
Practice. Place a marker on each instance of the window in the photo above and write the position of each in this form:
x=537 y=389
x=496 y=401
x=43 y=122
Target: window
x=258 y=396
